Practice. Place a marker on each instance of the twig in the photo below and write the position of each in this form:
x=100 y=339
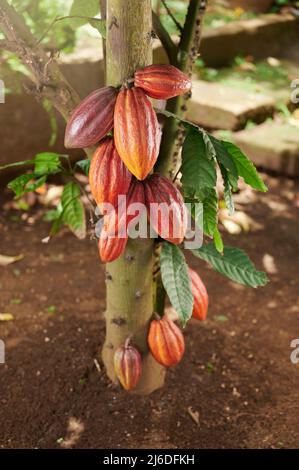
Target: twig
x=168 y=44
x=169 y=12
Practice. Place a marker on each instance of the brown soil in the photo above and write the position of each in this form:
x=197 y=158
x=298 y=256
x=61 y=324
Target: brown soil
x=236 y=376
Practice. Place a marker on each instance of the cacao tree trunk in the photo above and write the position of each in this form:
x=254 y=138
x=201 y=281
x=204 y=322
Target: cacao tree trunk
x=129 y=279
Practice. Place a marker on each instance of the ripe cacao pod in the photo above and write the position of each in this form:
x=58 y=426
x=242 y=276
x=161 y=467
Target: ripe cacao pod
x=162 y=81
x=127 y=366
x=92 y=119
x=137 y=133
x=170 y=219
x=201 y=298
x=166 y=342
x=118 y=221
x=108 y=176
x=111 y=247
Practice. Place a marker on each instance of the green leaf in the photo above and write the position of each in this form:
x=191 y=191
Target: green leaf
x=198 y=171
x=176 y=281
x=47 y=163
x=234 y=264
x=223 y=156
x=210 y=211
x=73 y=212
x=85 y=8
x=22 y=184
x=245 y=167
x=218 y=242
x=99 y=25
x=84 y=165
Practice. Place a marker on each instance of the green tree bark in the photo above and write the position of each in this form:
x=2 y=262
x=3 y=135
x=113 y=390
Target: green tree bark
x=129 y=279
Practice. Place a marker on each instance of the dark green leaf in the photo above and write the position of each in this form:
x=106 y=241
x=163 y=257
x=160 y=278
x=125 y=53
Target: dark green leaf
x=228 y=196
x=84 y=165
x=198 y=171
x=245 y=167
x=73 y=210
x=234 y=264
x=210 y=211
x=85 y=8
x=176 y=281
x=223 y=156
x=47 y=163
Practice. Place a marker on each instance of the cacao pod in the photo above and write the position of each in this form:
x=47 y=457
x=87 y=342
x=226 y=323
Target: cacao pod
x=201 y=298
x=92 y=119
x=119 y=220
x=166 y=210
x=111 y=247
x=137 y=133
x=108 y=176
x=162 y=81
x=127 y=366
x=166 y=342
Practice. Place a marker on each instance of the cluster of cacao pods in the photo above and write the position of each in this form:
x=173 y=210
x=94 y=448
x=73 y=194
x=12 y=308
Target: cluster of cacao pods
x=165 y=339
x=131 y=152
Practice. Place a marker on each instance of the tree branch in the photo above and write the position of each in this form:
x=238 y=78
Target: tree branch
x=48 y=80
x=169 y=12
x=168 y=44
x=187 y=52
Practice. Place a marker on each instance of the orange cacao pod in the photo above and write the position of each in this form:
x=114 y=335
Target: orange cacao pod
x=111 y=247
x=92 y=119
x=127 y=366
x=170 y=219
x=166 y=342
x=201 y=299
x=162 y=81
x=108 y=176
x=137 y=133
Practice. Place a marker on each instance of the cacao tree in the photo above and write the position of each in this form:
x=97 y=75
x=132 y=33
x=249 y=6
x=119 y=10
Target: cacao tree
x=150 y=155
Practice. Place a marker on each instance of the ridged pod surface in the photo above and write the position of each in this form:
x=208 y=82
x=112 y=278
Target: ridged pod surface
x=108 y=176
x=110 y=246
x=200 y=294
x=92 y=119
x=166 y=342
x=127 y=366
x=170 y=219
x=137 y=133
x=119 y=220
x=162 y=81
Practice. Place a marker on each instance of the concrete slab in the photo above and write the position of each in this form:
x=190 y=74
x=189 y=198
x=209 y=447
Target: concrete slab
x=273 y=146
x=218 y=106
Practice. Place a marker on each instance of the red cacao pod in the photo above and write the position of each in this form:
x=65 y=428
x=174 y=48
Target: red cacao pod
x=92 y=119
x=170 y=219
x=111 y=247
x=162 y=81
x=166 y=342
x=201 y=298
x=137 y=133
x=126 y=211
x=108 y=176
x=127 y=366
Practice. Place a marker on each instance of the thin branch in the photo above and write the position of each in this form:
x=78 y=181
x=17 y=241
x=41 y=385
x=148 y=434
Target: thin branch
x=171 y=15
x=168 y=44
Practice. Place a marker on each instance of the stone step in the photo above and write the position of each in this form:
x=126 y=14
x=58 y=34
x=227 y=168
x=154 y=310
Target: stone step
x=272 y=145
x=219 y=106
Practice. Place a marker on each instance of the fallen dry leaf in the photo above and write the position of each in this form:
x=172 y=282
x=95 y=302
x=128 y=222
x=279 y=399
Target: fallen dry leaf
x=194 y=415
x=6 y=317
x=6 y=260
